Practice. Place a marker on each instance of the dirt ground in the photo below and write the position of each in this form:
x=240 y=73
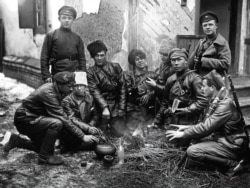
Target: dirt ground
x=150 y=169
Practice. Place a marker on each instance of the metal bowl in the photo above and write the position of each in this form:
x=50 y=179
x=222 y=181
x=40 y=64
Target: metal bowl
x=104 y=149
x=108 y=159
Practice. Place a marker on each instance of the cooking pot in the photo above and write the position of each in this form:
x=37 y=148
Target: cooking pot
x=104 y=149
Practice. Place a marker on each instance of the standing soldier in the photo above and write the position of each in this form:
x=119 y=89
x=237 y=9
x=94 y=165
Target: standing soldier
x=62 y=49
x=106 y=84
x=213 y=51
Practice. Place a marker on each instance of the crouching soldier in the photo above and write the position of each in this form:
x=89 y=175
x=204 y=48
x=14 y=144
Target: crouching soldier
x=228 y=141
x=41 y=118
x=80 y=109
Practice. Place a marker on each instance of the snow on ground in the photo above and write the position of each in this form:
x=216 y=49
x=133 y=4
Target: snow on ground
x=14 y=89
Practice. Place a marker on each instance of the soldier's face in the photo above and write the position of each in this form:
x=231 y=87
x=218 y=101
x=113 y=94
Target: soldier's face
x=207 y=90
x=140 y=62
x=179 y=64
x=164 y=57
x=66 y=89
x=66 y=21
x=100 y=58
x=80 y=90
x=209 y=27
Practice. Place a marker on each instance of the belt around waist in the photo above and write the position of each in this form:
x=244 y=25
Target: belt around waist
x=71 y=58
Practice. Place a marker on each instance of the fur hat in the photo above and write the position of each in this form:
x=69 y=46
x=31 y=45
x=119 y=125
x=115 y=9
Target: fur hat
x=215 y=79
x=177 y=52
x=133 y=54
x=95 y=47
x=166 y=46
x=64 y=77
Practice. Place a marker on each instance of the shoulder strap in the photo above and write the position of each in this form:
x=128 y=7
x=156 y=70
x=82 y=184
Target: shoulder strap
x=182 y=77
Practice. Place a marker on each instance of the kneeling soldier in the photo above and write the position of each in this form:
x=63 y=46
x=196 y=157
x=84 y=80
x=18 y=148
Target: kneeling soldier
x=227 y=141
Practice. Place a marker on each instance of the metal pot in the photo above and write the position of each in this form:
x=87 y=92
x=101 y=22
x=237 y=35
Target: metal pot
x=104 y=149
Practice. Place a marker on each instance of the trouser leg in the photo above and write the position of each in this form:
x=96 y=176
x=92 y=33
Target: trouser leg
x=213 y=152
x=17 y=141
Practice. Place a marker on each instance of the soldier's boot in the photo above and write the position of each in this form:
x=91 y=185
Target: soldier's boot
x=16 y=141
x=227 y=167
x=46 y=154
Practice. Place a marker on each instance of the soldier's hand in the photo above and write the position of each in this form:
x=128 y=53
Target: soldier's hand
x=121 y=113
x=48 y=80
x=168 y=111
x=90 y=139
x=181 y=111
x=179 y=127
x=93 y=130
x=106 y=113
x=151 y=82
x=171 y=135
x=144 y=99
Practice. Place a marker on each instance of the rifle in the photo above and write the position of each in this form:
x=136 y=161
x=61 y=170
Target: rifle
x=242 y=121
x=210 y=111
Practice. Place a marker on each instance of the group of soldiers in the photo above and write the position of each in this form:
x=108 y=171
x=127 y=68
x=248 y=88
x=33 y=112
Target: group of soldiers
x=187 y=93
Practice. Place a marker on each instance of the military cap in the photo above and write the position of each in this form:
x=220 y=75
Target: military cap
x=207 y=16
x=166 y=46
x=67 y=10
x=215 y=79
x=95 y=47
x=133 y=54
x=177 y=52
x=65 y=77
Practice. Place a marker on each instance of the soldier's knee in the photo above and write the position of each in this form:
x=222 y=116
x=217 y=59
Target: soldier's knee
x=193 y=151
x=56 y=125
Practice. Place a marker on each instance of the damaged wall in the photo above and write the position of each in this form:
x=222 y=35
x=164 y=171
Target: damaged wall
x=160 y=20
x=107 y=25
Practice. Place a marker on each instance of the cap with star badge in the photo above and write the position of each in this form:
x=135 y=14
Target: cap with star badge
x=207 y=16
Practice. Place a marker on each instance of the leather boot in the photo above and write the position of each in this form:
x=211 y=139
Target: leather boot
x=224 y=165
x=16 y=141
x=46 y=154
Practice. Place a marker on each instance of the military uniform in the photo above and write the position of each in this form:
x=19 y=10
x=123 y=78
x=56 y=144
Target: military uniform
x=136 y=89
x=216 y=56
x=188 y=91
x=106 y=84
x=212 y=52
x=83 y=114
x=41 y=118
x=64 y=50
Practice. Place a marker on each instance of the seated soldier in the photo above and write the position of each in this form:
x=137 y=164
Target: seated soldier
x=80 y=109
x=184 y=86
x=228 y=141
x=140 y=97
x=41 y=118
